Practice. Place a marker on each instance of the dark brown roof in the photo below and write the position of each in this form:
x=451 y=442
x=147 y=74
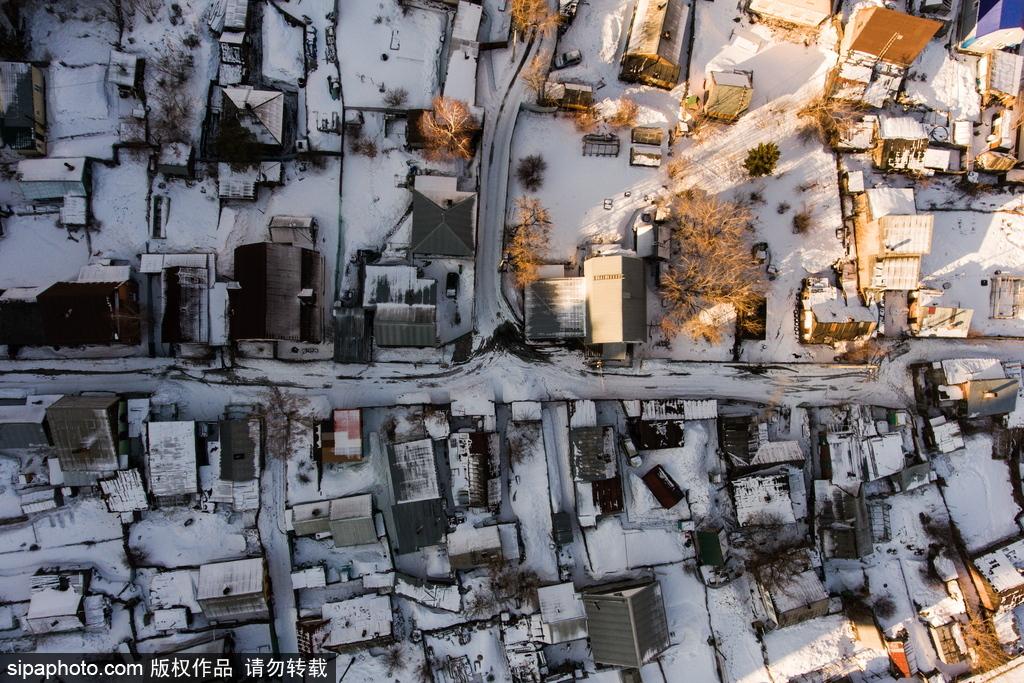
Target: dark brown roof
x=267 y=304
x=663 y=486
x=76 y=313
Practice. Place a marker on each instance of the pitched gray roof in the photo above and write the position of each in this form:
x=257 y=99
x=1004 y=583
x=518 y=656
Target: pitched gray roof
x=442 y=230
x=556 y=308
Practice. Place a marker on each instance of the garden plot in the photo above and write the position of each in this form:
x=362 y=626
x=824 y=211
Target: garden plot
x=690 y=658
x=979 y=494
x=388 y=47
x=527 y=482
x=731 y=617
x=180 y=537
x=480 y=643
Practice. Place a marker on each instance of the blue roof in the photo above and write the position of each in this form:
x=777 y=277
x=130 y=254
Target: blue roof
x=996 y=15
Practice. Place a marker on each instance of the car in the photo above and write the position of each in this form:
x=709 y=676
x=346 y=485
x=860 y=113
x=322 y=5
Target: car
x=567 y=59
x=451 y=285
x=760 y=253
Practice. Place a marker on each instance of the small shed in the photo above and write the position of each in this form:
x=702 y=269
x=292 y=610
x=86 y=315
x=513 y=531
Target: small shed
x=176 y=159
x=233 y=591
x=663 y=486
x=805 y=13
x=124 y=71
x=563 y=617
x=656 y=39
x=358 y=622
x=728 y=94
x=85 y=432
x=470 y=546
x=567 y=95
x=23 y=425
x=56 y=604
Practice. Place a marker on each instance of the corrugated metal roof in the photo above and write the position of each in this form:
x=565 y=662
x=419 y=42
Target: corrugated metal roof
x=418 y=524
x=397 y=284
x=402 y=325
x=414 y=471
x=616 y=299
x=235 y=578
x=171 y=458
x=556 y=309
x=907 y=234
x=890 y=35
x=798 y=591
x=239 y=449
x=84 y=431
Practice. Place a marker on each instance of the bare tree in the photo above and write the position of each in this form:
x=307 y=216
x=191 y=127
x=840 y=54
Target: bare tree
x=362 y=146
x=586 y=119
x=174 y=65
x=535 y=15
x=535 y=74
x=528 y=240
x=280 y=411
x=530 y=171
x=625 y=115
x=396 y=97
x=826 y=119
x=170 y=115
x=711 y=266
x=449 y=129
x=986 y=651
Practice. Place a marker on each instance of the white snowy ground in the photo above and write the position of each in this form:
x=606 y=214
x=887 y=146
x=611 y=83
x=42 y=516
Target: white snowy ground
x=979 y=494
x=731 y=617
x=812 y=644
x=690 y=658
x=162 y=538
x=528 y=480
x=484 y=649
x=411 y=40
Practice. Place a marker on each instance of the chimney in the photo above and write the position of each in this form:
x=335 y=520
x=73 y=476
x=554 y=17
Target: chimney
x=70 y=167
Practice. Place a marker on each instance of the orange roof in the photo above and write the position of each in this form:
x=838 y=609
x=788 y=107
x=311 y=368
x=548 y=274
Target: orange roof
x=890 y=35
x=898 y=657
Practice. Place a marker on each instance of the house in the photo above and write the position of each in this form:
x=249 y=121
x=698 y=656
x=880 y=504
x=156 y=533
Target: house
x=86 y=433
x=556 y=309
x=21 y=320
x=256 y=118
x=403 y=305
x=54 y=178
x=443 y=218
x=891 y=237
x=23 y=108
x=176 y=159
x=843 y=522
x=802 y=13
x=171 y=460
x=878 y=46
x=298 y=231
x=1002 y=574
x=417 y=515
x=23 y=425
x=566 y=95
x=655 y=43
x=234 y=591
x=192 y=309
x=341 y=438
x=826 y=317
x=976 y=387
x=563 y=617
x=594 y=460
x=124 y=71
x=626 y=623
x=472 y=460
x=990 y=25
x=460 y=77
x=793 y=598
x=280 y=293
x=349 y=521
x=357 y=623
x=772 y=499
x=236 y=15
x=727 y=94
x=616 y=300
x=100 y=311
x=470 y=546
x=239 y=445
x=57 y=603
x=902 y=143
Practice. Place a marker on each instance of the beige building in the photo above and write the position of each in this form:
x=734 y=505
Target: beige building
x=616 y=300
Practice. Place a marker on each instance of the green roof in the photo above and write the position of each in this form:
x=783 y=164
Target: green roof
x=442 y=230
x=709 y=548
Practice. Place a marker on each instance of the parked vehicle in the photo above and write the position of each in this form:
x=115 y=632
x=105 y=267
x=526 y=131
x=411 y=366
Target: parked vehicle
x=567 y=59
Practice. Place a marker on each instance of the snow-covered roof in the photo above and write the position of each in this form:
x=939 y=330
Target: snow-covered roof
x=467 y=539
x=897 y=273
x=775 y=452
x=234 y=578
x=946 y=434
x=397 y=284
x=907 y=234
x=1003 y=568
x=74 y=210
x=799 y=591
x=235 y=14
x=526 y=411
x=352 y=507
x=101 y=272
x=311 y=577
x=886 y=201
x=560 y=602
x=679 y=409
x=171 y=460
x=173 y=589
x=357 y=620
x=800 y=12
x=121 y=70
x=414 y=471
x=443 y=596
x=885 y=455
x=467 y=21
x=170 y=619
x=49 y=599
x=1004 y=71
x=52 y=170
x=266 y=105
x=154 y=263
x=960 y=370
x=556 y=308
x=22 y=293
x=901 y=127
x=763 y=499
x=124 y=492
